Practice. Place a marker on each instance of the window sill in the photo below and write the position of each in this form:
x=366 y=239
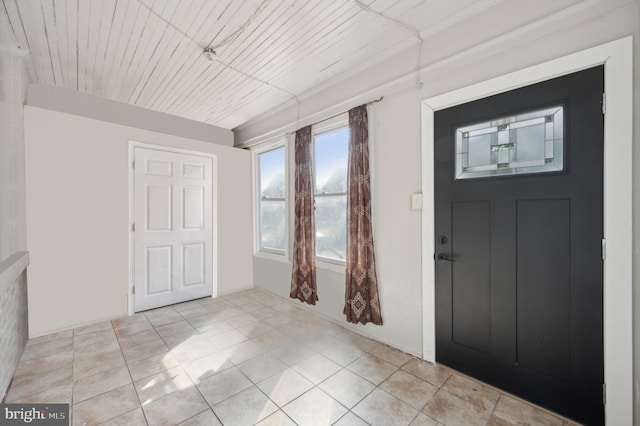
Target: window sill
x=279 y=257
x=338 y=267
x=320 y=264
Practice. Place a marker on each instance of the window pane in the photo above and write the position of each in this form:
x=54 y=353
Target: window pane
x=331 y=155
x=272 y=199
x=272 y=217
x=331 y=226
x=331 y=151
x=272 y=183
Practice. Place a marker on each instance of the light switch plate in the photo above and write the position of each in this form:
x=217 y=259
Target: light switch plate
x=416 y=201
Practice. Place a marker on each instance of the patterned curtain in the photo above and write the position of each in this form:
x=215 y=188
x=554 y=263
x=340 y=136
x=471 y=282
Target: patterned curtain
x=362 y=303
x=303 y=277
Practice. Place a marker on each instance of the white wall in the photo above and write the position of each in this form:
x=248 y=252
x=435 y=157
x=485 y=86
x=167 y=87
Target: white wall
x=396 y=231
x=454 y=59
x=77 y=172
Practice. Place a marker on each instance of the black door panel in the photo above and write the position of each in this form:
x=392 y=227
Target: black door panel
x=519 y=285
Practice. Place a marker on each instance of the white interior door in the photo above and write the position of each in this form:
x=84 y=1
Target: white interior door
x=173 y=231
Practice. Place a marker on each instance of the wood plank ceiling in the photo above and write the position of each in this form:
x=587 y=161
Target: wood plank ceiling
x=149 y=53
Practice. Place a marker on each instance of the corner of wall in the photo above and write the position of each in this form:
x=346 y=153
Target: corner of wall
x=13 y=261
x=14 y=331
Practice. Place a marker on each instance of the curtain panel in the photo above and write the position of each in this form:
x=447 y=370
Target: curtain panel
x=362 y=304
x=303 y=277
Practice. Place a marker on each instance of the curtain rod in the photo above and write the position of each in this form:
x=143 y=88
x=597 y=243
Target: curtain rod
x=271 y=139
x=375 y=101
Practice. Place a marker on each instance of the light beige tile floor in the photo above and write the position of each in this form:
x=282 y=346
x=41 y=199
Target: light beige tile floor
x=249 y=358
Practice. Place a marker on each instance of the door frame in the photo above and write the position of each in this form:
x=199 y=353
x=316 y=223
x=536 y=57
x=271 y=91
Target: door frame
x=214 y=214
x=617 y=57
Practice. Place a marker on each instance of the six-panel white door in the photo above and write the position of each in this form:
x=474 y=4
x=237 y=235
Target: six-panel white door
x=173 y=234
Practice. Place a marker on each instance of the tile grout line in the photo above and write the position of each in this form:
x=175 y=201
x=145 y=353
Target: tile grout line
x=73 y=362
x=144 y=414
x=153 y=327
x=494 y=408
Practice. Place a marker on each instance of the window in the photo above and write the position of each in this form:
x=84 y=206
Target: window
x=331 y=149
x=528 y=142
x=330 y=161
x=271 y=200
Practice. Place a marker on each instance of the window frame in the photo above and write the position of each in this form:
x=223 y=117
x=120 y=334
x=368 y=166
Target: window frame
x=259 y=250
x=327 y=126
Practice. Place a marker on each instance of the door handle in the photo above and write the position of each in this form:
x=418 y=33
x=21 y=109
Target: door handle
x=444 y=258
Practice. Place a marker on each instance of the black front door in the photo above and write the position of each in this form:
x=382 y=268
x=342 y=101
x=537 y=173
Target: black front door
x=518 y=226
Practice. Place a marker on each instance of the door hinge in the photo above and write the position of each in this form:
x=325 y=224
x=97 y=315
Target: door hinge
x=604 y=103
x=133 y=227
x=133 y=165
x=604 y=248
x=604 y=394
x=133 y=290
